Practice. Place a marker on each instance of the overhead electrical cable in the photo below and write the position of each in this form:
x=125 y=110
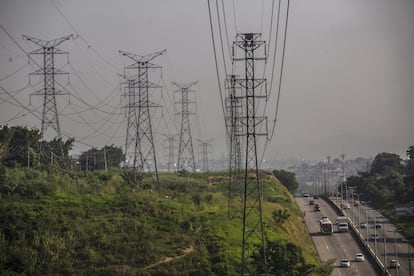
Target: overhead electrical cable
x=268 y=139
x=15 y=72
x=21 y=104
x=221 y=38
x=15 y=117
x=81 y=37
x=90 y=90
x=215 y=59
x=281 y=71
x=225 y=28
x=234 y=17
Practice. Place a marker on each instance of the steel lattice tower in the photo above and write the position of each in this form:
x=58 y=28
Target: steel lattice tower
x=204 y=152
x=186 y=159
x=139 y=129
x=50 y=118
x=233 y=124
x=171 y=146
x=132 y=119
x=253 y=228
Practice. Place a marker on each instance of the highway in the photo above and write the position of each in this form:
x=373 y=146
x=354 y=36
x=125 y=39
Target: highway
x=336 y=246
x=389 y=244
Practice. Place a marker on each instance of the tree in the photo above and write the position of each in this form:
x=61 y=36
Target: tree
x=280 y=216
x=284 y=258
x=51 y=152
x=18 y=146
x=385 y=163
x=288 y=179
x=94 y=159
x=409 y=178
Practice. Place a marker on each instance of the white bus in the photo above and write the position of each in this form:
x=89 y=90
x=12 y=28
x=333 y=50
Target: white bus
x=326 y=226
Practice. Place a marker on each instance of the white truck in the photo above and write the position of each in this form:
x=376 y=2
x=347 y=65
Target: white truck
x=342 y=223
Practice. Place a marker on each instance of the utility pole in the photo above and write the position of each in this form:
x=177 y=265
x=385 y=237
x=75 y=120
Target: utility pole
x=204 y=152
x=139 y=129
x=49 y=92
x=233 y=109
x=253 y=228
x=171 y=148
x=343 y=183
x=186 y=159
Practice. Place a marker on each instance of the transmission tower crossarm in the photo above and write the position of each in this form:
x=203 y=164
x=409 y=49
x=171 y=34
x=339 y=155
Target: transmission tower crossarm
x=184 y=86
x=139 y=58
x=48 y=43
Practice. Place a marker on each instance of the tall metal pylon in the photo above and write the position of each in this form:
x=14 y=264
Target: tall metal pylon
x=253 y=228
x=139 y=116
x=186 y=159
x=50 y=118
x=204 y=151
x=234 y=129
x=171 y=139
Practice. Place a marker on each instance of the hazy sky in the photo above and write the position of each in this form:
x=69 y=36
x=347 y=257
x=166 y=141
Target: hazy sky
x=348 y=83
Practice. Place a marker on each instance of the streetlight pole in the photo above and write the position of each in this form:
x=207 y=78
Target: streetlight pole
x=366 y=218
x=385 y=251
x=396 y=253
x=409 y=256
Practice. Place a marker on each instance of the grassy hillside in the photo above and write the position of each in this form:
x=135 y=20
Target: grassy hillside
x=71 y=223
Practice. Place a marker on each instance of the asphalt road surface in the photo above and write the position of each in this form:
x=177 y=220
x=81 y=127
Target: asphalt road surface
x=337 y=246
x=389 y=243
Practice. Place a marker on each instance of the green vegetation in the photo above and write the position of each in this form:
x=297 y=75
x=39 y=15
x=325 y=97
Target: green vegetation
x=390 y=182
x=287 y=179
x=71 y=222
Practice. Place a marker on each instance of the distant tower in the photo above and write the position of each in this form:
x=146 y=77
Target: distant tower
x=49 y=92
x=186 y=159
x=139 y=119
x=252 y=122
x=171 y=139
x=234 y=130
x=204 y=152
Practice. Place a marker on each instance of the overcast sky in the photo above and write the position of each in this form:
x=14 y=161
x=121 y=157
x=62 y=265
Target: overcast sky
x=348 y=80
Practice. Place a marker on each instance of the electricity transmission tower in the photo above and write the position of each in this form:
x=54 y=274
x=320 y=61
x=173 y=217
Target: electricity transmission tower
x=171 y=148
x=252 y=122
x=204 y=151
x=139 y=128
x=50 y=118
x=234 y=129
x=186 y=159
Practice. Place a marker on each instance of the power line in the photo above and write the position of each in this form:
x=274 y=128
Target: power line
x=225 y=27
x=221 y=38
x=281 y=72
x=81 y=37
x=234 y=17
x=15 y=72
x=215 y=59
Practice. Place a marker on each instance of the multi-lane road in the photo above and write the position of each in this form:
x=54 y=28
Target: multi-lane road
x=336 y=246
x=388 y=244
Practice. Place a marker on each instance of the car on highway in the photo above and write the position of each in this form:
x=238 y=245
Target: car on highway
x=317 y=208
x=324 y=217
x=359 y=257
x=374 y=237
x=306 y=195
x=345 y=263
x=394 y=264
x=363 y=225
